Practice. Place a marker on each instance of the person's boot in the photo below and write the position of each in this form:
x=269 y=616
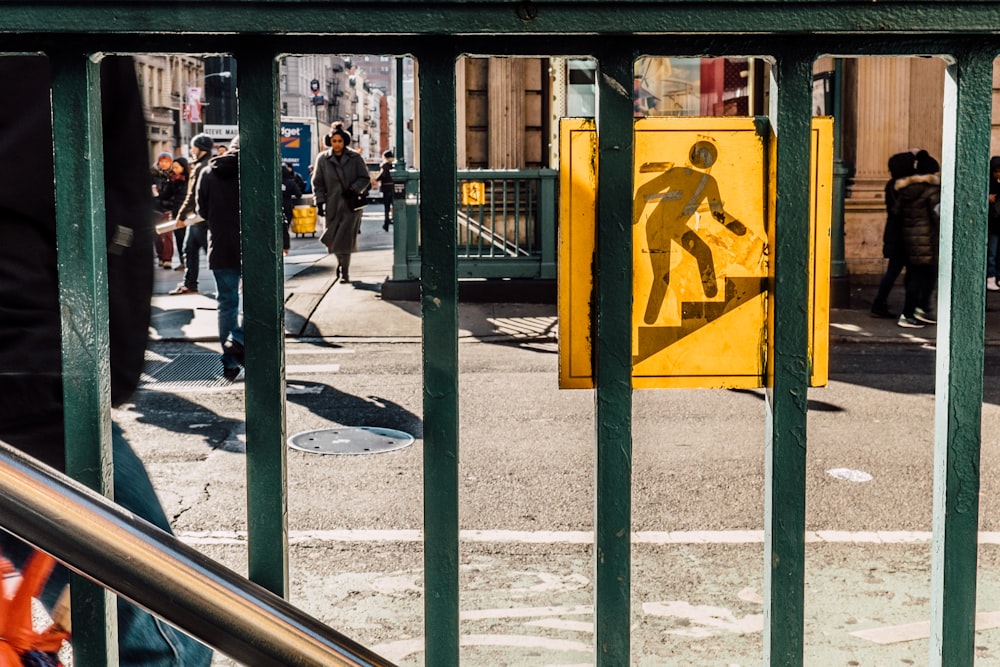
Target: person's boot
x=343 y=263
x=881 y=309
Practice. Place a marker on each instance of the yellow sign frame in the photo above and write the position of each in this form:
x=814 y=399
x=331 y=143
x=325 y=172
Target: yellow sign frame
x=713 y=188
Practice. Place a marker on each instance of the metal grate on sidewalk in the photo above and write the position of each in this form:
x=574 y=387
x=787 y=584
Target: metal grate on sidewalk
x=184 y=371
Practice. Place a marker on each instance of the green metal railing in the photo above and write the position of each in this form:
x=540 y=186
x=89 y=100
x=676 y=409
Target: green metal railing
x=792 y=33
x=506 y=224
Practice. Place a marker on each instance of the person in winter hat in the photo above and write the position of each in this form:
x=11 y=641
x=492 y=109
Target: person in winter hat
x=337 y=173
x=918 y=199
x=196 y=232
x=901 y=165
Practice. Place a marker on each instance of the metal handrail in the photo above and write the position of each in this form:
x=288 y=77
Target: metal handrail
x=100 y=540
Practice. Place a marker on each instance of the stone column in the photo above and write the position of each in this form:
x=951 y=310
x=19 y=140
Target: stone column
x=506 y=100
x=899 y=106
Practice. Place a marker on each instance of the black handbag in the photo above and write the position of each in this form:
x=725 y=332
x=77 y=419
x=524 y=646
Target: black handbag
x=355 y=200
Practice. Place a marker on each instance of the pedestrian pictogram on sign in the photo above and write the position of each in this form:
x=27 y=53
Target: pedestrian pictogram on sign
x=473 y=193
x=700 y=238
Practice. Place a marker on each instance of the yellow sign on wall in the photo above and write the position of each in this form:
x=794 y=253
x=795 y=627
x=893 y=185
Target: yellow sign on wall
x=701 y=229
x=473 y=193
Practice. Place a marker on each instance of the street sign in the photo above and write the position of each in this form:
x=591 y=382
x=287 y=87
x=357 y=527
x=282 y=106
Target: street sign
x=701 y=228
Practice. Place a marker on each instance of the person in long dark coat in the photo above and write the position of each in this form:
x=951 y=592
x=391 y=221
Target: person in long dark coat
x=918 y=199
x=901 y=165
x=338 y=171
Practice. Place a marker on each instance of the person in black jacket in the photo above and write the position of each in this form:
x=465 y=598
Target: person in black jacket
x=918 y=199
x=219 y=204
x=196 y=232
x=385 y=185
x=292 y=186
x=993 y=236
x=31 y=382
x=901 y=165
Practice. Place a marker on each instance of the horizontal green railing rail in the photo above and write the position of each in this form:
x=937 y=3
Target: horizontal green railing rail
x=791 y=33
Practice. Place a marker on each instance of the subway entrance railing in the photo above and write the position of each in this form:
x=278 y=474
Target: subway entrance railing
x=506 y=224
x=791 y=34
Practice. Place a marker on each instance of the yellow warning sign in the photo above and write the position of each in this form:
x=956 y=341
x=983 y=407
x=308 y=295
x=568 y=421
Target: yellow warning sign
x=702 y=225
x=473 y=193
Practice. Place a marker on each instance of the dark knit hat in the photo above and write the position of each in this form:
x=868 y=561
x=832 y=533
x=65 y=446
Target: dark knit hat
x=388 y=155
x=926 y=164
x=202 y=142
x=338 y=128
x=902 y=165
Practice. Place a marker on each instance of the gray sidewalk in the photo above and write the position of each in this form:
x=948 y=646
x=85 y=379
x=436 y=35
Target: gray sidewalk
x=856 y=324
x=318 y=308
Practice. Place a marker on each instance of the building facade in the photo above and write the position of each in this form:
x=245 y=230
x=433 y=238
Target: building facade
x=172 y=99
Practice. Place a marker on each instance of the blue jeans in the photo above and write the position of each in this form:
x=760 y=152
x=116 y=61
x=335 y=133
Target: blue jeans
x=143 y=640
x=195 y=240
x=227 y=282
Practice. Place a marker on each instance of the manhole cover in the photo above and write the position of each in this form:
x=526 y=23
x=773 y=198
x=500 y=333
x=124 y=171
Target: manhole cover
x=350 y=440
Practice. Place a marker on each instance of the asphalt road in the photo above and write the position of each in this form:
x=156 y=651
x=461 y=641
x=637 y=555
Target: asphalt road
x=526 y=467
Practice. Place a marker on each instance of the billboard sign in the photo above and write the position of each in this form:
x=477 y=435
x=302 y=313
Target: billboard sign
x=296 y=148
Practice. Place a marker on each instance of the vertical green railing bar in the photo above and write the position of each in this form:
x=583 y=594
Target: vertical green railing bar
x=263 y=291
x=83 y=293
x=785 y=447
x=612 y=331
x=439 y=302
x=546 y=210
x=959 y=380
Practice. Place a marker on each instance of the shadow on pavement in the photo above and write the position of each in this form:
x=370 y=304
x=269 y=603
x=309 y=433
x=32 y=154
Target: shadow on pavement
x=160 y=409
x=349 y=410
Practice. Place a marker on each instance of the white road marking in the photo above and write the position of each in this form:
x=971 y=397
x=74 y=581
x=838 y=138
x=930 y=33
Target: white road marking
x=894 y=634
x=849 y=475
x=305 y=348
x=397 y=651
x=705 y=620
x=312 y=368
x=579 y=537
x=527 y=612
x=561 y=624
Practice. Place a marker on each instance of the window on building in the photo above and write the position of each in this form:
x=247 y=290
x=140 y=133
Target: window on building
x=692 y=86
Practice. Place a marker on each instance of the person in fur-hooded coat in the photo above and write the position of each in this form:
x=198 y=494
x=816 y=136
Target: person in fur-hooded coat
x=917 y=205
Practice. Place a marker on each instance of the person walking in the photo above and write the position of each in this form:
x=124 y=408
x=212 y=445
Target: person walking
x=385 y=186
x=901 y=165
x=180 y=172
x=196 y=234
x=918 y=199
x=161 y=174
x=340 y=173
x=219 y=204
x=31 y=376
x=292 y=186
x=993 y=218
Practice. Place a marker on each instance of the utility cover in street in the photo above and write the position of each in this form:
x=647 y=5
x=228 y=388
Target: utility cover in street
x=350 y=440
